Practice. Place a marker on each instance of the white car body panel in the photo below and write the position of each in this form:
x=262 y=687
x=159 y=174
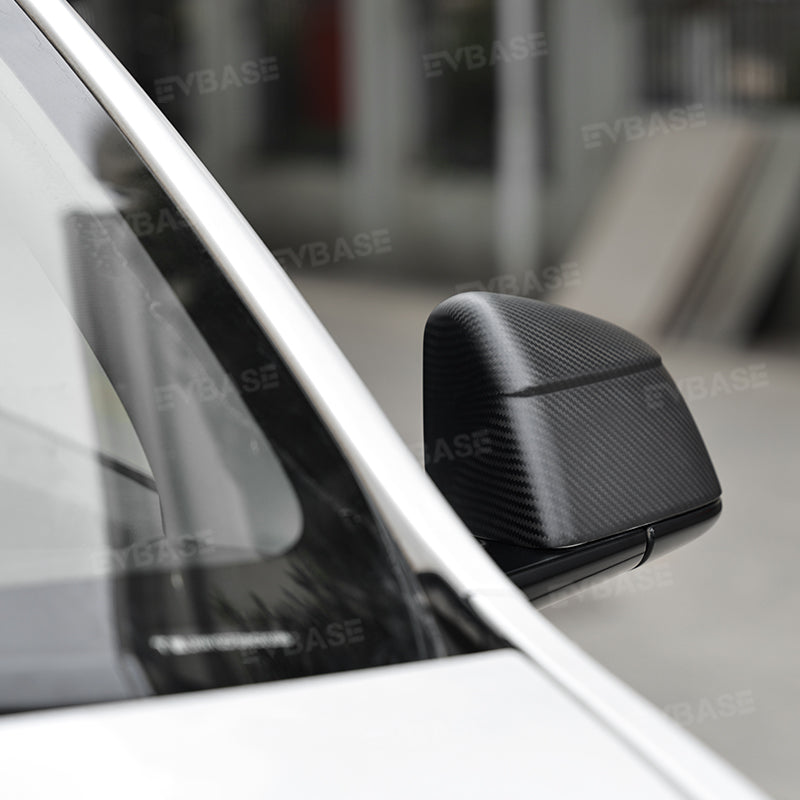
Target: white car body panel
x=473 y=726
x=551 y=723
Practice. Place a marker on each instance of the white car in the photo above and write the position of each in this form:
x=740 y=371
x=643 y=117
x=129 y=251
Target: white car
x=206 y=512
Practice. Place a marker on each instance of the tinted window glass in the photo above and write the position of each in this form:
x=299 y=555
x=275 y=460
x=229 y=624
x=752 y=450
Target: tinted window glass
x=176 y=516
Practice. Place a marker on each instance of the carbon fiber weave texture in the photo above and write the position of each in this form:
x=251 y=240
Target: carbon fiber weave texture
x=586 y=434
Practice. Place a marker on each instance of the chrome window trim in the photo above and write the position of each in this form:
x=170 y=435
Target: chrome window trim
x=431 y=534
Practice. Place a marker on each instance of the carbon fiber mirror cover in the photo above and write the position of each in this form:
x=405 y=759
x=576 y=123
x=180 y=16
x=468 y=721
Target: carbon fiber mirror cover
x=582 y=432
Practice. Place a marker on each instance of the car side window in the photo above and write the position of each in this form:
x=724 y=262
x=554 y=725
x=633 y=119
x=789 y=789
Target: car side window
x=177 y=516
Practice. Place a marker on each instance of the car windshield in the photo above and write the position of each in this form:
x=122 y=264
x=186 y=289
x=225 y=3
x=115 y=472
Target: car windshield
x=175 y=515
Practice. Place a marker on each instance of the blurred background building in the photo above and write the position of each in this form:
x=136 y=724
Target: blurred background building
x=637 y=159
x=501 y=137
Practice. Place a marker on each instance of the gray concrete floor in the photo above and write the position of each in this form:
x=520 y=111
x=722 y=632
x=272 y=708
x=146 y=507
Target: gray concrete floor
x=709 y=633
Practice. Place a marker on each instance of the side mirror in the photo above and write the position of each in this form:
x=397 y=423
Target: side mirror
x=590 y=461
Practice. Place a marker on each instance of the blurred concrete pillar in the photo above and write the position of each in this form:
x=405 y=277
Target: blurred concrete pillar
x=380 y=104
x=704 y=45
x=222 y=122
x=518 y=180
x=594 y=63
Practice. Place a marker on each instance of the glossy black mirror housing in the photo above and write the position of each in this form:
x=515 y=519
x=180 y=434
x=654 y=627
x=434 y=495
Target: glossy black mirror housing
x=587 y=440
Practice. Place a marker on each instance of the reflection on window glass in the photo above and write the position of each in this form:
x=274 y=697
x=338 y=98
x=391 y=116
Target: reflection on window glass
x=219 y=472
x=176 y=515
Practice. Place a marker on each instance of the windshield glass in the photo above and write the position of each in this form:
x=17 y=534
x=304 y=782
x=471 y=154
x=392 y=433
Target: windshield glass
x=175 y=515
